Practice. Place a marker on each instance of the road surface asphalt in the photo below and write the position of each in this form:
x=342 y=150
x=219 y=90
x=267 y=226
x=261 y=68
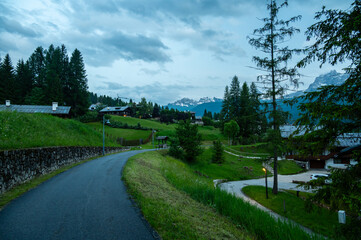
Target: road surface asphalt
x=88 y=201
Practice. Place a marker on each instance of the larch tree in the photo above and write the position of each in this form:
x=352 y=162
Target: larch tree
x=270 y=40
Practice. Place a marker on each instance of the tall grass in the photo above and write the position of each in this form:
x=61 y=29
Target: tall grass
x=249 y=217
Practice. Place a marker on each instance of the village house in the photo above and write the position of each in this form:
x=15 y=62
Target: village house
x=340 y=156
x=120 y=111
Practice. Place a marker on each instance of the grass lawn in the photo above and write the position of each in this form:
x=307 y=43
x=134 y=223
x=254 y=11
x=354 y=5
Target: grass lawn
x=255 y=150
x=287 y=167
x=180 y=204
x=319 y=220
x=25 y=130
x=129 y=134
x=173 y=213
x=232 y=169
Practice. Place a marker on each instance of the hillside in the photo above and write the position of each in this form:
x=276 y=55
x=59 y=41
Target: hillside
x=209 y=133
x=23 y=130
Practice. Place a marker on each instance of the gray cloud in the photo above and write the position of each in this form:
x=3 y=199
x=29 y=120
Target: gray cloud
x=138 y=47
x=12 y=26
x=152 y=72
x=154 y=92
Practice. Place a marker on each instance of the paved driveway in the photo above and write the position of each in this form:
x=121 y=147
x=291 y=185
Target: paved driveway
x=284 y=182
x=88 y=201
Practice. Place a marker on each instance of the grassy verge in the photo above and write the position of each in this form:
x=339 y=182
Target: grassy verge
x=171 y=212
x=287 y=167
x=232 y=169
x=319 y=220
x=19 y=190
x=154 y=179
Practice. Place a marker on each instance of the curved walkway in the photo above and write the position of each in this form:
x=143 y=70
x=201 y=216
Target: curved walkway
x=284 y=182
x=88 y=201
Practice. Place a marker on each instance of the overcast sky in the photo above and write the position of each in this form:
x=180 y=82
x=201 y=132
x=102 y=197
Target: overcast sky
x=162 y=50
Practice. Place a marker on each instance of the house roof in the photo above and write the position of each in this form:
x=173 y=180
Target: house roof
x=36 y=109
x=162 y=138
x=349 y=150
x=348 y=139
x=114 y=109
x=288 y=130
x=343 y=140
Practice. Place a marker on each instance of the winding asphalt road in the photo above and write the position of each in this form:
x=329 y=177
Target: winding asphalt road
x=88 y=201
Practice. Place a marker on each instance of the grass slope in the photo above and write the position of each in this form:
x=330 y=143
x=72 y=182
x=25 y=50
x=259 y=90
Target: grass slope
x=24 y=130
x=319 y=220
x=173 y=213
x=179 y=204
x=232 y=169
x=287 y=167
x=129 y=134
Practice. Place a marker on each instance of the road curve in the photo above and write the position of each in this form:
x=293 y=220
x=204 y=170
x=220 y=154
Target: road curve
x=88 y=201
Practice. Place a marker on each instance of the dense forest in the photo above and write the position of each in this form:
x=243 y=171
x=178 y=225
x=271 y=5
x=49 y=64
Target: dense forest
x=47 y=76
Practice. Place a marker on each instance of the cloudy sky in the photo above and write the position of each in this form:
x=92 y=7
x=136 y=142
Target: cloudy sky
x=163 y=50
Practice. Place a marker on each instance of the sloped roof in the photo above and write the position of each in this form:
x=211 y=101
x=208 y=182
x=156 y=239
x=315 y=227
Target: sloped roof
x=343 y=140
x=114 y=109
x=348 y=140
x=36 y=109
x=287 y=130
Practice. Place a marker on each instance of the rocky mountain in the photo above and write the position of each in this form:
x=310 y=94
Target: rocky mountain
x=187 y=104
x=331 y=78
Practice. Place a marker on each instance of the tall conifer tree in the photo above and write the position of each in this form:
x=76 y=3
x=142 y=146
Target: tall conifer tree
x=269 y=39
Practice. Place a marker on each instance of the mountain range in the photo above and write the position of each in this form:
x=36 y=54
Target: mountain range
x=215 y=104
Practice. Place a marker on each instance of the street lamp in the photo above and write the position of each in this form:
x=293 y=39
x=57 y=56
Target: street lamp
x=265 y=170
x=103 y=135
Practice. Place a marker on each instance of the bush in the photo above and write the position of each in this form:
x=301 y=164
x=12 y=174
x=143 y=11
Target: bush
x=189 y=140
x=90 y=116
x=218 y=153
x=175 y=150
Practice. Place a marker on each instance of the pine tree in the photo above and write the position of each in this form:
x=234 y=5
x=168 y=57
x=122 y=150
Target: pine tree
x=234 y=99
x=37 y=68
x=8 y=79
x=225 y=112
x=78 y=85
x=245 y=117
x=24 y=81
x=255 y=109
x=2 y=85
x=268 y=39
x=53 y=68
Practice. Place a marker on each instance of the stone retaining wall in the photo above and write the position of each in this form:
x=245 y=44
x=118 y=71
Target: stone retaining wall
x=19 y=166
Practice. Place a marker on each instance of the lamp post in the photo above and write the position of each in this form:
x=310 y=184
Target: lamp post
x=265 y=170
x=103 y=135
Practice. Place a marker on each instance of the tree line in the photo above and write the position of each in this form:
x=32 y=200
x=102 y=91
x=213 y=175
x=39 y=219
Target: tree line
x=49 y=75
x=243 y=106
